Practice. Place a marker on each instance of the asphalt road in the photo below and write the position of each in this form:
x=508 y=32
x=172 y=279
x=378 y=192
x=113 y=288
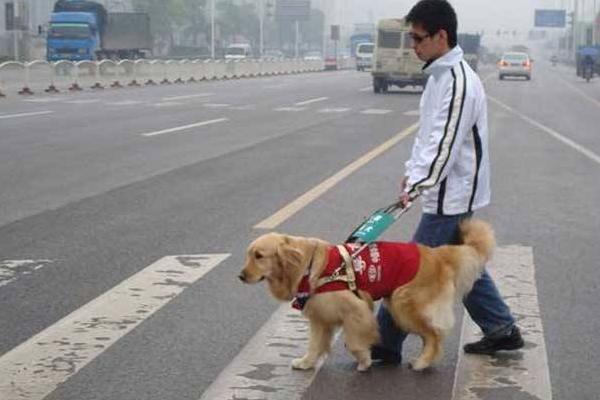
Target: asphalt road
x=101 y=185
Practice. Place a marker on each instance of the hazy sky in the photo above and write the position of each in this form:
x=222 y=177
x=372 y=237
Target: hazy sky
x=473 y=15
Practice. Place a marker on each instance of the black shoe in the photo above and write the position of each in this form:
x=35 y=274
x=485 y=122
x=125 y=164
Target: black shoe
x=512 y=341
x=385 y=356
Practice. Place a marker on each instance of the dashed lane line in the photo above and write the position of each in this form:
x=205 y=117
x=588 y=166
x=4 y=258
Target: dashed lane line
x=311 y=101
x=375 y=111
x=334 y=110
x=28 y=114
x=37 y=367
x=189 y=96
x=185 y=127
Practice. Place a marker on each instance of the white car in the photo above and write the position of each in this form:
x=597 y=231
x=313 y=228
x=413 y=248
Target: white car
x=364 y=56
x=238 y=51
x=313 y=56
x=514 y=64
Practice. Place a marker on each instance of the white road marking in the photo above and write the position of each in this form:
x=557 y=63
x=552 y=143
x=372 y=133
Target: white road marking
x=375 y=111
x=334 y=110
x=185 y=127
x=83 y=101
x=248 y=107
x=292 y=208
x=168 y=104
x=574 y=145
x=580 y=92
x=366 y=89
x=216 y=105
x=189 y=96
x=292 y=109
x=11 y=270
x=311 y=101
x=29 y=114
x=279 y=86
x=35 y=368
x=412 y=113
x=44 y=100
x=124 y=103
x=517 y=374
x=262 y=369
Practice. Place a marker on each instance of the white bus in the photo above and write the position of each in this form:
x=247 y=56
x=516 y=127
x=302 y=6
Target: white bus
x=394 y=60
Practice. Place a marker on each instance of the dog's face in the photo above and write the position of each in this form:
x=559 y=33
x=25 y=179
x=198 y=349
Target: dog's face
x=277 y=259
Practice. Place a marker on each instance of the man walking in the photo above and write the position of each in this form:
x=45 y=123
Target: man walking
x=449 y=169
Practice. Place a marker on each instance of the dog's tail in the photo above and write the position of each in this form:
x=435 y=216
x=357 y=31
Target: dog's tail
x=478 y=243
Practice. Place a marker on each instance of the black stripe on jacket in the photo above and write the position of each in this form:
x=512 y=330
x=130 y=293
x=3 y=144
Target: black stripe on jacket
x=478 y=156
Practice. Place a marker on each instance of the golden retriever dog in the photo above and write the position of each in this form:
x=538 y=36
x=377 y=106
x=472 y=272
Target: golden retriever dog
x=422 y=304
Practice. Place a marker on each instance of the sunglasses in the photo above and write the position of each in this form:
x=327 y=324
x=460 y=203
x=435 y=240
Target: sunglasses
x=418 y=38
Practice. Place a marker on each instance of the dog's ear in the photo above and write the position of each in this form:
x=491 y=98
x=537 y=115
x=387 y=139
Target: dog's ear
x=288 y=255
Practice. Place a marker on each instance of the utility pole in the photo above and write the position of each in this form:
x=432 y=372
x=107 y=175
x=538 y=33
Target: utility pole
x=212 y=29
x=261 y=10
x=575 y=21
x=594 y=22
x=297 y=38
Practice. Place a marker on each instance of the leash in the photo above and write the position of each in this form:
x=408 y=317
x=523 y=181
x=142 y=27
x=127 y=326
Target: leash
x=370 y=230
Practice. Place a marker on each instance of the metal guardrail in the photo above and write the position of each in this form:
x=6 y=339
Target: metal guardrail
x=41 y=76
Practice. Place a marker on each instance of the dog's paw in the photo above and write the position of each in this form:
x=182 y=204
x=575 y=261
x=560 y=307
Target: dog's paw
x=302 y=363
x=364 y=366
x=418 y=365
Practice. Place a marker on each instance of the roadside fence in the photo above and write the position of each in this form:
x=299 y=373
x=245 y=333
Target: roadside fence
x=52 y=77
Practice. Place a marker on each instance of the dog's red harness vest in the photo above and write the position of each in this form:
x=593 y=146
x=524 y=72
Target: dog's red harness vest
x=380 y=268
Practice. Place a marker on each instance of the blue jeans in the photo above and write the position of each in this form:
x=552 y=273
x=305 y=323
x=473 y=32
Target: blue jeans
x=484 y=303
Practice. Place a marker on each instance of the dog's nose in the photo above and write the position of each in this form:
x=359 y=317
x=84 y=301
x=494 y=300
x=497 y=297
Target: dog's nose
x=242 y=276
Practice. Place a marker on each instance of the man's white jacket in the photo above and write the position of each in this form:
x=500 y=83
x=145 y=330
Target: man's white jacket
x=449 y=165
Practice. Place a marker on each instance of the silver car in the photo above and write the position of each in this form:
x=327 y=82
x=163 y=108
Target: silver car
x=514 y=64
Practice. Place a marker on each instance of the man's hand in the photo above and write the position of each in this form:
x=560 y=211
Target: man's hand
x=404 y=197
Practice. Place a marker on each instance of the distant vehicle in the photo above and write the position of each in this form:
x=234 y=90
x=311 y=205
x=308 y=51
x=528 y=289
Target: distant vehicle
x=313 y=56
x=470 y=43
x=331 y=63
x=358 y=38
x=587 y=55
x=364 y=56
x=273 y=54
x=84 y=30
x=514 y=64
x=238 y=51
x=394 y=60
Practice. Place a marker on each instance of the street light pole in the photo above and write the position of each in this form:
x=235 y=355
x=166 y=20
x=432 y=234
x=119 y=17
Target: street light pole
x=212 y=29
x=261 y=10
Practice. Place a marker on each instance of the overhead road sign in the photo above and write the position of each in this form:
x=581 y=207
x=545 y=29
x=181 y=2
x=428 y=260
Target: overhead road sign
x=550 y=18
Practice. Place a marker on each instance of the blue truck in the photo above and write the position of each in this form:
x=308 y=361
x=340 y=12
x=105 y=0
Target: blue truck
x=84 y=30
x=358 y=38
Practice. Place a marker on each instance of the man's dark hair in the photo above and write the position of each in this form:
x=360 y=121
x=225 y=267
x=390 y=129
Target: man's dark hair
x=433 y=16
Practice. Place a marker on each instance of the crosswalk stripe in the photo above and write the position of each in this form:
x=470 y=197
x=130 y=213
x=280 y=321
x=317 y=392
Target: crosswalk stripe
x=262 y=369
x=522 y=374
x=35 y=368
x=11 y=270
